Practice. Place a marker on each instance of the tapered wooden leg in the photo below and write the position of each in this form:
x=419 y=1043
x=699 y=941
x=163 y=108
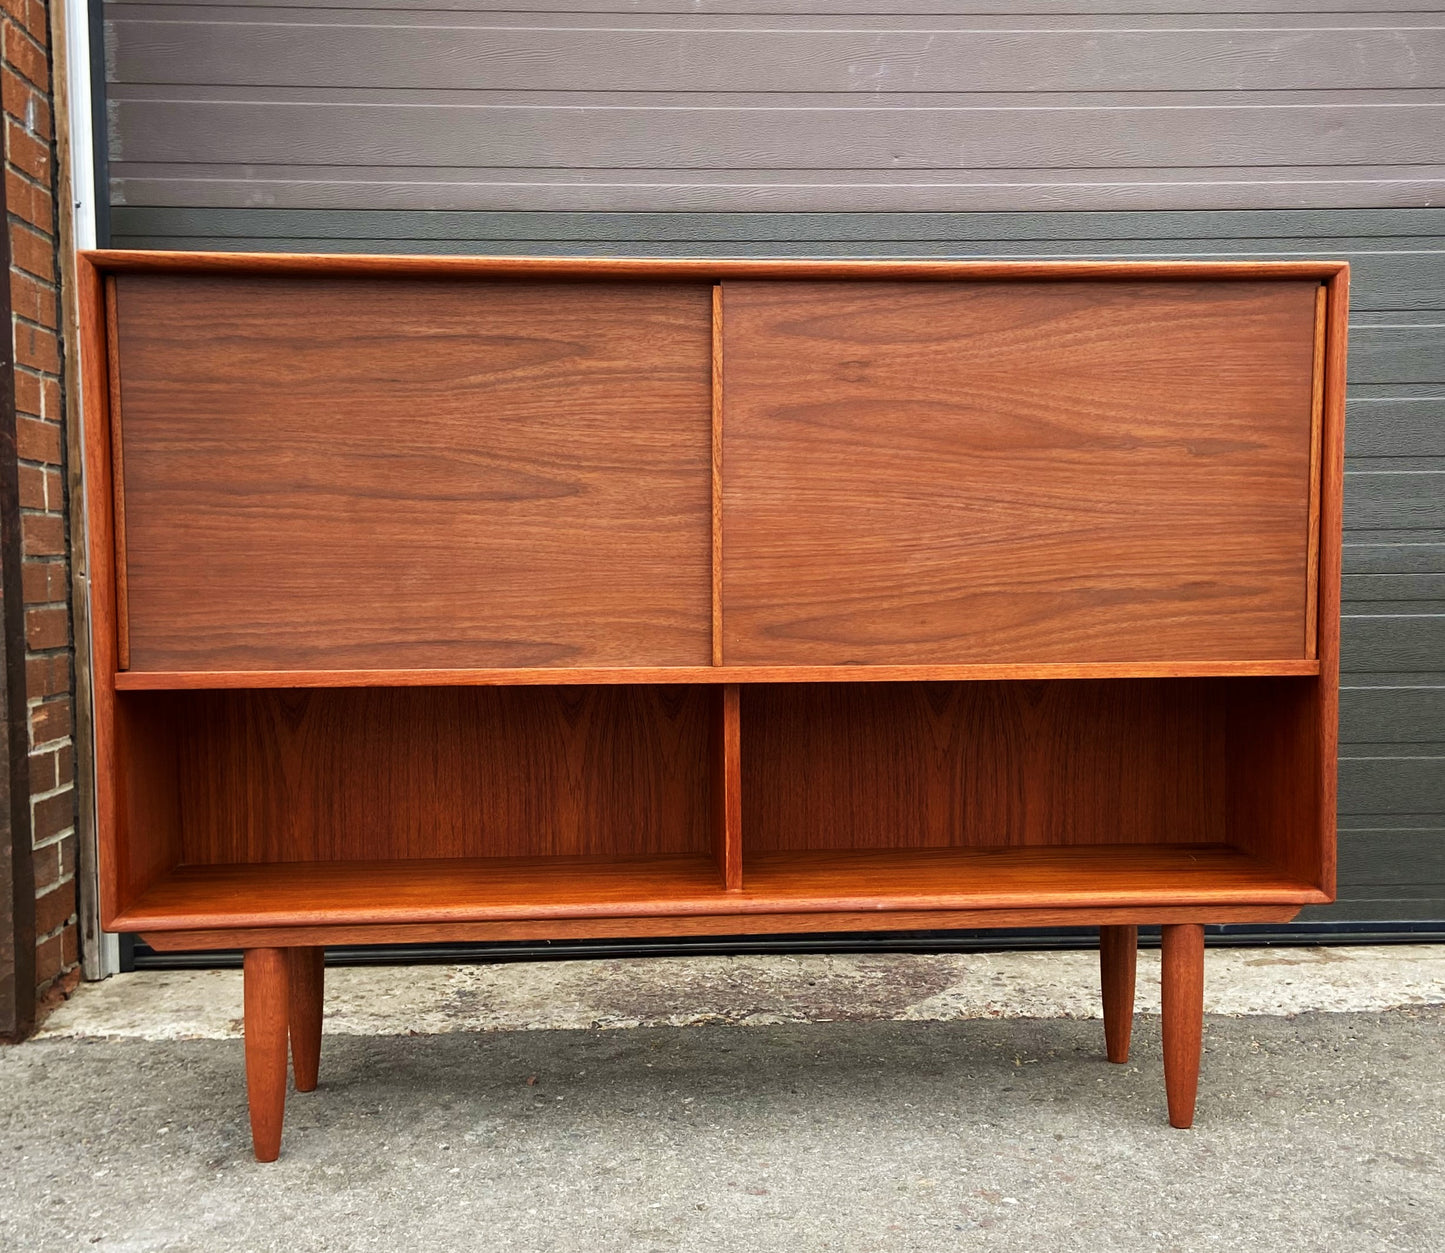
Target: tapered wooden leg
x=1183 y=1003
x=1118 y=957
x=266 y=1015
x=307 y=977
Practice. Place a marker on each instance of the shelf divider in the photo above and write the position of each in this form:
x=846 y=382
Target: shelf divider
x=727 y=785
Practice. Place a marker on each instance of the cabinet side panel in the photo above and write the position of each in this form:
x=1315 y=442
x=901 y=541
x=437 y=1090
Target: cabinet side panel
x=386 y=773
x=149 y=730
x=1272 y=734
x=112 y=859
x=373 y=473
x=1016 y=471
x=1332 y=478
x=1283 y=734
x=982 y=765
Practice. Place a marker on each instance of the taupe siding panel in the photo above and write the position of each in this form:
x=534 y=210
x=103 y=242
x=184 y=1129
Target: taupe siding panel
x=873 y=54
x=775 y=104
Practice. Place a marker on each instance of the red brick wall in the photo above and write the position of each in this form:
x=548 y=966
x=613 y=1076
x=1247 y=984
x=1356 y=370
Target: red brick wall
x=40 y=443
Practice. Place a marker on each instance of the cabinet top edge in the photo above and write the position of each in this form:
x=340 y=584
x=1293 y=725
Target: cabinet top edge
x=115 y=261
x=157 y=680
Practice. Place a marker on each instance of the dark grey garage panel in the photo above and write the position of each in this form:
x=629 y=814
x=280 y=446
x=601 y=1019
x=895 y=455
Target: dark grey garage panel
x=1392 y=715
x=1403 y=348
x=1405 y=643
x=1392 y=858
x=1394 y=499
x=1396 y=426
x=1401 y=785
x=773 y=104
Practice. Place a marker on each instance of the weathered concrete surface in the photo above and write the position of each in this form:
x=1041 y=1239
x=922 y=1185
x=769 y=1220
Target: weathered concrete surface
x=755 y=991
x=1317 y=1132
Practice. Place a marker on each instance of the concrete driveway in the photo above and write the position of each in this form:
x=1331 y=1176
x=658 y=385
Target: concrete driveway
x=830 y=1103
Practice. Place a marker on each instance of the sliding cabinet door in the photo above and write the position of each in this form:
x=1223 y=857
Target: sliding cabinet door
x=386 y=473
x=946 y=472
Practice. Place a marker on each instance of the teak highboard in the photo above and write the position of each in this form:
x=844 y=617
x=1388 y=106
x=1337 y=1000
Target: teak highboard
x=443 y=599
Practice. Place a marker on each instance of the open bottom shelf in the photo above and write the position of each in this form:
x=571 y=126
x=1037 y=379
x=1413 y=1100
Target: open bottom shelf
x=502 y=889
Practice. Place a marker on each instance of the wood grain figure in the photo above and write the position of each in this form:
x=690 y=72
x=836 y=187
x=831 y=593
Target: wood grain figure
x=306 y=977
x=985 y=764
x=1182 y=992
x=1118 y=963
x=1015 y=472
x=727 y=797
x=266 y=1017
x=405 y=473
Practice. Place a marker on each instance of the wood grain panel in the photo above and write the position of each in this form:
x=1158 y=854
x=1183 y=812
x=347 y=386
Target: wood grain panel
x=982 y=765
x=291 y=776
x=168 y=680
x=502 y=889
x=1273 y=806
x=113 y=846
x=1015 y=471
x=727 y=800
x=402 y=473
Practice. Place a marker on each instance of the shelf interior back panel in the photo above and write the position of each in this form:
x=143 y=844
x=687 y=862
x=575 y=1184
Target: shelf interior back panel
x=1015 y=471
x=368 y=472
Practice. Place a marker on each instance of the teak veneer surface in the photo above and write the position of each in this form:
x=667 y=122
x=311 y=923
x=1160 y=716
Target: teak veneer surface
x=845 y=766
x=372 y=773
x=177 y=680
x=333 y=472
x=357 y=892
x=616 y=927
x=423 y=481
x=1015 y=471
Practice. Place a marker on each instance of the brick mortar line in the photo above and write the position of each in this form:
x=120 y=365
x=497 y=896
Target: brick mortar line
x=52 y=793
x=21 y=320
x=73 y=920
x=51 y=841
x=68 y=877
x=47 y=745
x=40 y=137
x=16 y=24
x=27 y=177
x=14 y=219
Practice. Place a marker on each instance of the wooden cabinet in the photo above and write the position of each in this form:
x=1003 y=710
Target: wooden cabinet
x=453 y=599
